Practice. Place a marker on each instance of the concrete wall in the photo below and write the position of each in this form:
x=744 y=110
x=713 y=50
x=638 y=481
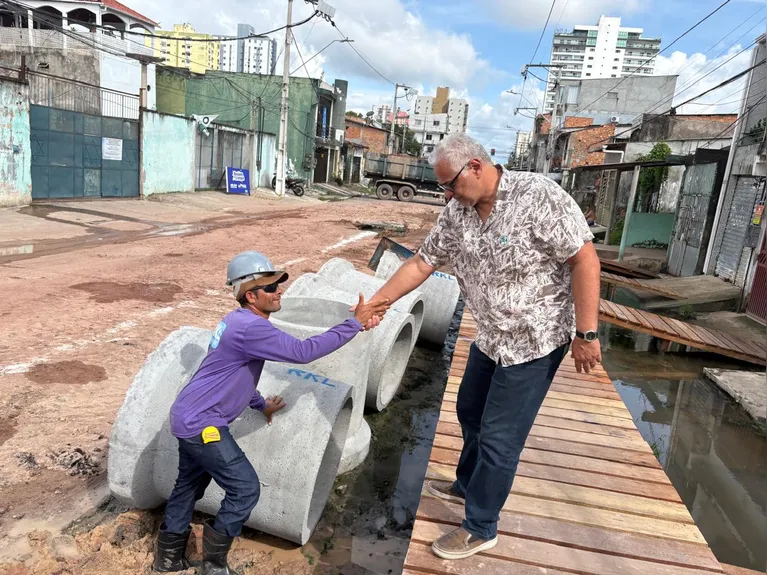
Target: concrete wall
x=633 y=96
x=15 y=147
x=228 y=95
x=83 y=65
x=168 y=153
x=685 y=127
x=648 y=227
x=124 y=75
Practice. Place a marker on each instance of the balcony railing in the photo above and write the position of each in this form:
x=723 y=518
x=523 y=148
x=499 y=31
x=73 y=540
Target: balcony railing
x=73 y=40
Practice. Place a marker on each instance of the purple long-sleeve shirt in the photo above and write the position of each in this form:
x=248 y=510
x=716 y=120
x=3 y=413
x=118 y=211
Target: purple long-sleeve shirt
x=225 y=383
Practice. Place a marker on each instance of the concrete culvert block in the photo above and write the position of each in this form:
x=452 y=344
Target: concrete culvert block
x=296 y=458
x=392 y=341
x=144 y=412
x=440 y=294
x=304 y=317
x=341 y=274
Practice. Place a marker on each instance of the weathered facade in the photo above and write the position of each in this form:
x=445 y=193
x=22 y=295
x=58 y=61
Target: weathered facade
x=167 y=144
x=375 y=139
x=15 y=146
x=248 y=101
x=737 y=247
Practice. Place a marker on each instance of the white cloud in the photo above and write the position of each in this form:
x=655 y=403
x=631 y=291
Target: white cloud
x=691 y=69
x=495 y=125
x=532 y=14
x=395 y=40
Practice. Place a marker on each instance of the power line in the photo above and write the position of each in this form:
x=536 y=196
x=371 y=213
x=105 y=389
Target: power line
x=543 y=32
x=739 y=119
x=361 y=56
x=690 y=29
x=143 y=34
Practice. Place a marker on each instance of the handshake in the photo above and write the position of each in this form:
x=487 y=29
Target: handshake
x=371 y=313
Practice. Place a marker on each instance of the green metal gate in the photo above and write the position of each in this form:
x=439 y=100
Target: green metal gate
x=76 y=155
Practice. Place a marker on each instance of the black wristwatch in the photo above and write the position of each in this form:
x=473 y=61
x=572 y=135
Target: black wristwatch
x=589 y=336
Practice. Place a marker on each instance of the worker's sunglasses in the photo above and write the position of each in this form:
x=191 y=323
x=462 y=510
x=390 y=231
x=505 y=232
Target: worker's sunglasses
x=271 y=288
x=450 y=186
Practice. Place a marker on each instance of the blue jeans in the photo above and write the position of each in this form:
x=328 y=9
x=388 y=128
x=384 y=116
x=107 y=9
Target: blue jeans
x=496 y=409
x=224 y=462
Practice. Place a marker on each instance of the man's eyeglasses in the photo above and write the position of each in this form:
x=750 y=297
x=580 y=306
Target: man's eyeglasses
x=450 y=186
x=271 y=288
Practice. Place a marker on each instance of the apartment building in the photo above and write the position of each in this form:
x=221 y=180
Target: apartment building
x=606 y=50
x=182 y=47
x=250 y=55
x=441 y=114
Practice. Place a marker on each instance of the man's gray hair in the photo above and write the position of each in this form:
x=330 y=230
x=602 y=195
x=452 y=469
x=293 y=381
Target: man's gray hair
x=457 y=150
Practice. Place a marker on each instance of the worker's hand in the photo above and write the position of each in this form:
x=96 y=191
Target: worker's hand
x=274 y=403
x=371 y=313
x=586 y=354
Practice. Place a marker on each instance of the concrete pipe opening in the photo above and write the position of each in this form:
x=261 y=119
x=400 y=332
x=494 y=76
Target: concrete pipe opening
x=440 y=295
x=329 y=467
x=396 y=362
x=341 y=274
x=304 y=317
x=387 y=363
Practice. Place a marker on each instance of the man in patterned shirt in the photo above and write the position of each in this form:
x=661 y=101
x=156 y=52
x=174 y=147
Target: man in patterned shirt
x=521 y=250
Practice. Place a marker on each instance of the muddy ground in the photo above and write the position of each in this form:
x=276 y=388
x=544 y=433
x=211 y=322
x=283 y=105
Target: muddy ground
x=78 y=322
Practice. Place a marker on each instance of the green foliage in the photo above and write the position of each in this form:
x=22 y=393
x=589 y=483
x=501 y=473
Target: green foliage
x=616 y=233
x=651 y=179
x=353 y=114
x=756 y=132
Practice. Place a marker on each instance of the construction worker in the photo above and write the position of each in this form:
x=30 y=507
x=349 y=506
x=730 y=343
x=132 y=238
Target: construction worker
x=223 y=386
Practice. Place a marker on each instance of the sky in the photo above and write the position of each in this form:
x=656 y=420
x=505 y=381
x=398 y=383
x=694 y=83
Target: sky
x=479 y=48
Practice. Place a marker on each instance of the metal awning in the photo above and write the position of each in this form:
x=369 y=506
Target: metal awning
x=672 y=160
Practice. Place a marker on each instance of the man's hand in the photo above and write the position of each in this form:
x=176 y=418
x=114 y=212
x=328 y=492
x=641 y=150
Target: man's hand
x=274 y=403
x=370 y=314
x=586 y=354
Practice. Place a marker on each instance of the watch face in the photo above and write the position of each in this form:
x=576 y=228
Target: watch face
x=591 y=335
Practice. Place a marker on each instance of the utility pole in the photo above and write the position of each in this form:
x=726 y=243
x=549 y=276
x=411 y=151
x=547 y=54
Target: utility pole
x=554 y=124
x=282 y=145
x=408 y=90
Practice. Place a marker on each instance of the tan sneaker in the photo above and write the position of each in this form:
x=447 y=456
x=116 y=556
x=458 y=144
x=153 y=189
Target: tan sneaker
x=444 y=490
x=460 y=544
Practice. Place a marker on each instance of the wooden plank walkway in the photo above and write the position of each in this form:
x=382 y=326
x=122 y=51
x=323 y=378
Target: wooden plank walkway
x=626 y=270
x=589 y=496
x=640 y=284
x=682 y=332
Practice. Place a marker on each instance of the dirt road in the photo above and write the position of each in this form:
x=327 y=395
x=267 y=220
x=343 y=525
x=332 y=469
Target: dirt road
x=98 y=290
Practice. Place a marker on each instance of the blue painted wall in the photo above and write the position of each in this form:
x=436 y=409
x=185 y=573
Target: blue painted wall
x=168 y=153
x=15 y=148
x=645 y=227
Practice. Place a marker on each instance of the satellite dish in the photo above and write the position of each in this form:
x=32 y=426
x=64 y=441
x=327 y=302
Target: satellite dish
x=204 y=120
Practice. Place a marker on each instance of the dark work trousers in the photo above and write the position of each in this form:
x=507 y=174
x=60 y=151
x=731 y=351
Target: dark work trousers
x=496 y=409
x=224 y=462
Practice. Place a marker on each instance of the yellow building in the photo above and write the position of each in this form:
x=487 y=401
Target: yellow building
x=176 y=49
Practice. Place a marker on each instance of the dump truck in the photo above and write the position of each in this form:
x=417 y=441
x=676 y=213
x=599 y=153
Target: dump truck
x=401 y=176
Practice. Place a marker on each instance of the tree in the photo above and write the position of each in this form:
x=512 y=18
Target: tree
x=412 y=146
x=353 y=114
x=651 y=179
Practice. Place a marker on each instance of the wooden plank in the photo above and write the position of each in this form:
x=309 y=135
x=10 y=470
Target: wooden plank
x=628 y=447
x=420 y=557
x=620 y=412
x=735 y=570
x=450 y=457
x=611 y=479
x=584 y=398
x=571 y=536
x=587 y=417
x=635 y=317
x=588 y=427
x=683 y=329
x=587 y=515
x=610 y=395
x=622 y=455
x=548 y=556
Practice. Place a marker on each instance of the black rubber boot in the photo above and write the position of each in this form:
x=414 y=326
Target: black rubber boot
x=170 y=554
x=215 y=548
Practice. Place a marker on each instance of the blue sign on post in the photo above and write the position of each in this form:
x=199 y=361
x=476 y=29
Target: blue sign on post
x=237 y=181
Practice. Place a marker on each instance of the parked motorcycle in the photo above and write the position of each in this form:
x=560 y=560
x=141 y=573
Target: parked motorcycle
x=295 y=185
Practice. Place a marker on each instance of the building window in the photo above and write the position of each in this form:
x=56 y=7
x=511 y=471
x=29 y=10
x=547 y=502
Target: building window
x=436 y=122
x=591 y=57
x=613 y=76
x=428 y=137
x=588 y=74
x=615 y=67
x=617 y=60
x=589 y=66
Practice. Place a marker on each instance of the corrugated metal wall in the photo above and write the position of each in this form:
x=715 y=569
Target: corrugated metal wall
x=730 y=264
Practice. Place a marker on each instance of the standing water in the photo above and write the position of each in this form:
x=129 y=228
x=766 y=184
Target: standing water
x=713 y=452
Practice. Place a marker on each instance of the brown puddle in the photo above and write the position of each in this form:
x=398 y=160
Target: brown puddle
x=70 y=372
x=110 y=292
